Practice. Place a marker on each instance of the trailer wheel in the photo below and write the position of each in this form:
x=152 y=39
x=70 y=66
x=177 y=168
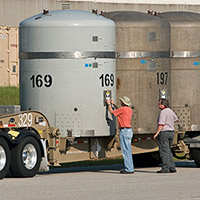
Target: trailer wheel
x=4 y=158
x=26 y=158
x=196 y=155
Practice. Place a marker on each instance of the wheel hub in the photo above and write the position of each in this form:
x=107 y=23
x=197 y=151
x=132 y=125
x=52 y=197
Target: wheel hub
x=29 y=156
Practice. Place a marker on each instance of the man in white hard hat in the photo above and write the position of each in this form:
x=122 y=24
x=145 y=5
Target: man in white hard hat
x=124 y=115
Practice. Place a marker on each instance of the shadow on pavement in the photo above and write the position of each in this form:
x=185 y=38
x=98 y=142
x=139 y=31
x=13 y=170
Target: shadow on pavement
x=112 y=168
x=115 y=167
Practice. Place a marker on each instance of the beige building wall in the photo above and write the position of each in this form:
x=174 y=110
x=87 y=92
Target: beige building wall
x=9 y=61
x=12 y=12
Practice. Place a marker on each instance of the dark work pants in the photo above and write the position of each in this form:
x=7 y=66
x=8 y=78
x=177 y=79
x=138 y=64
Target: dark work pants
x=165 y=140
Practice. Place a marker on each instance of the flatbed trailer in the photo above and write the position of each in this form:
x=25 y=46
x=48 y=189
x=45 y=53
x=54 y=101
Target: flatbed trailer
x=29 y=144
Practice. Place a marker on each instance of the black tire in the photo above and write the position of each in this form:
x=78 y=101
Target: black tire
x=26 y=158
x=4 y=158
x=196 y=155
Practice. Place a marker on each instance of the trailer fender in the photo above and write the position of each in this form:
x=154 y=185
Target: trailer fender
x=44 y=163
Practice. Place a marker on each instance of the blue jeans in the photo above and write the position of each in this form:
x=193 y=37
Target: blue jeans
x=125 y=137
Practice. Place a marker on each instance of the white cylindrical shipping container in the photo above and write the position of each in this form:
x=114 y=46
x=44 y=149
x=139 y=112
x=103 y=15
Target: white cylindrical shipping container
x=67 y=70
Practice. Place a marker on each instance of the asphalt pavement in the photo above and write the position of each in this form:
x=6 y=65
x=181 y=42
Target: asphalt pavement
x=106 y=183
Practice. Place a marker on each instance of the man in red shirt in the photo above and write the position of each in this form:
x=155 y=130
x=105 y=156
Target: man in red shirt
x=124 y=115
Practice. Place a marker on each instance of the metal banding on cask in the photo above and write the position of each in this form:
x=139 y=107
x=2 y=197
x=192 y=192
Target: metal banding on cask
x=143 y=67
x=67 y=70
x=66 y=55
x=185 y=67
x=144 y=54
x=185 y=54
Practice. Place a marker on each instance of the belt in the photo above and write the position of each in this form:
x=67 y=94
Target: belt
x=167 y=131
x=124 y=128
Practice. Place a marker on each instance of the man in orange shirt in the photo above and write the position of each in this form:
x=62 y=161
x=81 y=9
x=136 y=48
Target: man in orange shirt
x=124 y=115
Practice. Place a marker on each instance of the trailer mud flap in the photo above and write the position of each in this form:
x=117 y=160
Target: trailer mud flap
x=44 y=163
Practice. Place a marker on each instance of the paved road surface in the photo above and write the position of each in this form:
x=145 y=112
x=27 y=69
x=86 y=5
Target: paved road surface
x=105 y=183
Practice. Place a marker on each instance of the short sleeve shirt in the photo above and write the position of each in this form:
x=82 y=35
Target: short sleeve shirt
x=166 y=119
x=124 y=115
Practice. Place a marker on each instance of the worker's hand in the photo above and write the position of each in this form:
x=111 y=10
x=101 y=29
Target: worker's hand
x=111 y=101
x=108 y=101
x=155 y=136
